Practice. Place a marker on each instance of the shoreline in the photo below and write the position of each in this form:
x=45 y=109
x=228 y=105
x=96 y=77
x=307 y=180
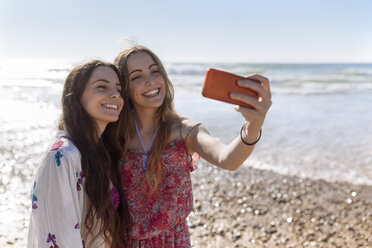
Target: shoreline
x=259 y=208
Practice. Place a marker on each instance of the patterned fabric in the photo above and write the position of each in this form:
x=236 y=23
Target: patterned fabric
x=115 y=197
x=159 y=220
x=58 y=198
x=178 y=236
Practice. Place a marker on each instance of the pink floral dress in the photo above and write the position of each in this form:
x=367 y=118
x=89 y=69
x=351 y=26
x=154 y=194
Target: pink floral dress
x=159 y=220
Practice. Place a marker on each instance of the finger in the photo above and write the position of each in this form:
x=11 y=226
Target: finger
x=252 y=101
x=258 y=104
x=256 y=87
x=248 y=113
x=264 y=82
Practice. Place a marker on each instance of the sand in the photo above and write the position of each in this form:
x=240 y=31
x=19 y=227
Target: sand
x=257 y=208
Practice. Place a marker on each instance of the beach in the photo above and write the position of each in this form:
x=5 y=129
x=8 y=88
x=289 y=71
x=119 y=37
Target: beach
x=308 y=182
x=259 y=208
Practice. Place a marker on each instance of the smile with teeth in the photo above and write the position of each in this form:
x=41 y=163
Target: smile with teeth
x=152 y=92
x=111 y=106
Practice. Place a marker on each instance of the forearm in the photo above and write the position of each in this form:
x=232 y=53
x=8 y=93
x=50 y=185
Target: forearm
x=234 y=154
x=231 y=156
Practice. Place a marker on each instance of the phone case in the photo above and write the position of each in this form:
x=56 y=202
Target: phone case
x=218 y=84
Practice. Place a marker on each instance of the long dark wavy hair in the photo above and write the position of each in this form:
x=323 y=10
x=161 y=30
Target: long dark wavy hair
x=99 y=158
x=165 y=115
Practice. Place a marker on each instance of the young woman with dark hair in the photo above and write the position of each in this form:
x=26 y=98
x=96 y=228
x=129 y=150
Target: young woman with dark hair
x=77 y=200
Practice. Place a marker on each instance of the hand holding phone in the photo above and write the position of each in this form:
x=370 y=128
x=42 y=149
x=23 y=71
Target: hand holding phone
x=219 y=84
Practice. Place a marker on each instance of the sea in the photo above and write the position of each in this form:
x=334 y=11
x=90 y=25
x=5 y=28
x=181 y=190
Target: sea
x=319 y=126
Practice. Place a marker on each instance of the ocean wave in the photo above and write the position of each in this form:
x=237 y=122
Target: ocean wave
x=200 y=69
x=362 y=71
x=33 y=70
x=54 y=83
x=318 y=88
x=187 y=69
x=59 y=70
x=299 y=79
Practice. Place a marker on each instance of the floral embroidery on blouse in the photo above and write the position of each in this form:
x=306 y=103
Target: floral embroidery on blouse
x=57 y=157
x=79 y=180
x=57 y=145
x=52 y=238
x=34 y=198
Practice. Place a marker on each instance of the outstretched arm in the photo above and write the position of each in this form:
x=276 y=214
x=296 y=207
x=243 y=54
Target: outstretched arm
x=231 y=156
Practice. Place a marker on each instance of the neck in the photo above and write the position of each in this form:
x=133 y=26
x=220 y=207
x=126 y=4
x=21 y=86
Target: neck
x=100 y=129
x=145 y=119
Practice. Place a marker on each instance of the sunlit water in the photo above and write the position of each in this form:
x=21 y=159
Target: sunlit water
x=320 y=124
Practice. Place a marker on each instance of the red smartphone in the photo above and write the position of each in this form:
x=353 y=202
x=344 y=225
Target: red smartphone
x=218 y=85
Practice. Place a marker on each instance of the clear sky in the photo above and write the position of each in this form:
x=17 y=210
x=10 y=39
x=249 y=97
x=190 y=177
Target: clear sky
x=190 y=30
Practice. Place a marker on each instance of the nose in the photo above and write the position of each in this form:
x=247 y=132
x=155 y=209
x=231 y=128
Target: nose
x=115 y=93
x=150 y=79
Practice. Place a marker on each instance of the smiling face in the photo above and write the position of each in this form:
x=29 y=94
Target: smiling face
x=101 y=97
x=146 y=87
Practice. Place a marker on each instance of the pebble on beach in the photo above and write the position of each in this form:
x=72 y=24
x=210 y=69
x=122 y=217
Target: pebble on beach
x=258 y=208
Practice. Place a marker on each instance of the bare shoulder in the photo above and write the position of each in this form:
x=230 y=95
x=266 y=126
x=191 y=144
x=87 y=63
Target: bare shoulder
x=189 y=125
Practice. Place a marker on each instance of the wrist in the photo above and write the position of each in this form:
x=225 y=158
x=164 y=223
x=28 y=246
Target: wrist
x=250 y=137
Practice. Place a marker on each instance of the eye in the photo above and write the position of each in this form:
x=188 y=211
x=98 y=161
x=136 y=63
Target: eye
x=155 y=70
x=101 y=86
x=135 y=78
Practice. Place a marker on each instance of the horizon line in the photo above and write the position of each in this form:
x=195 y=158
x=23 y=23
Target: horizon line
x=74 y=60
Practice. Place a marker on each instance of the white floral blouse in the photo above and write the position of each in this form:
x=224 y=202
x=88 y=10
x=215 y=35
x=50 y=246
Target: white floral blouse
x=59 y=201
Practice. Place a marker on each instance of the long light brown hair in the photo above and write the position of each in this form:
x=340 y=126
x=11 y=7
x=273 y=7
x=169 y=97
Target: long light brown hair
x=99 y=158
x=165 y=115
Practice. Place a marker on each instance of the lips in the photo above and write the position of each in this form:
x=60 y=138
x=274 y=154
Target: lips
x=151 y=93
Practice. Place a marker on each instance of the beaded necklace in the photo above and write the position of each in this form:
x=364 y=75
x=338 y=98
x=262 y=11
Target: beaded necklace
x=144 y=156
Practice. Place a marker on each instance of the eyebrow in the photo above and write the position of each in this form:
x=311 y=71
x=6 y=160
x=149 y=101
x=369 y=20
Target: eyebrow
x=140 y=70
x=104 y=80
x=100 y=80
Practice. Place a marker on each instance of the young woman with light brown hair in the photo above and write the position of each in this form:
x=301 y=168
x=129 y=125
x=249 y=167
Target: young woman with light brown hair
x=157 y=161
